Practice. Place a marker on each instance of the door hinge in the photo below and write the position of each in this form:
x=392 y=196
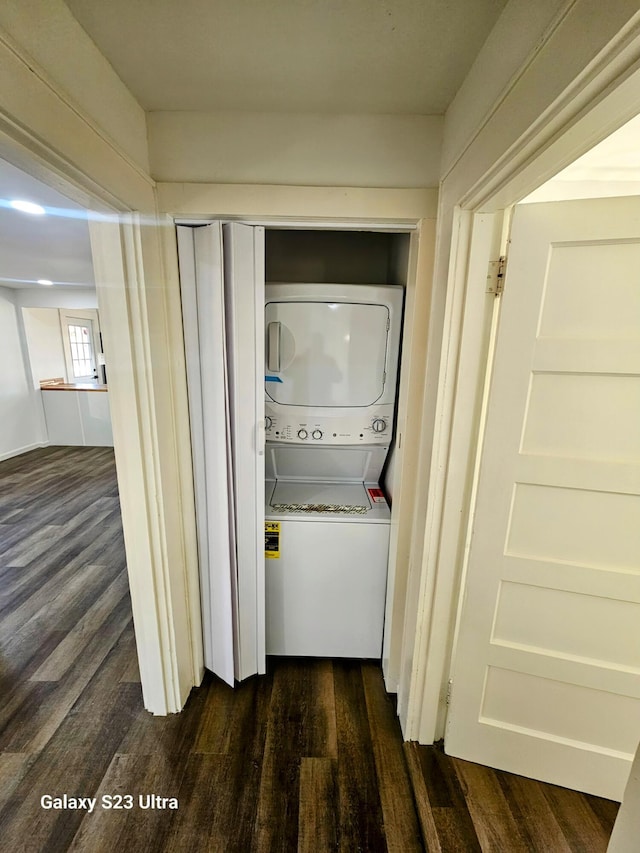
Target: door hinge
x=449 y=687
x=495 y=276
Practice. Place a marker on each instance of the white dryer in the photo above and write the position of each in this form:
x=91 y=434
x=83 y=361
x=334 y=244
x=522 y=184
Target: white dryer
x=331 y=361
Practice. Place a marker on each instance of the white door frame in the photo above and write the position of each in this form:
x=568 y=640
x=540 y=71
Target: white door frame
x=129 y=255
x=597 y=105
x=148 y=401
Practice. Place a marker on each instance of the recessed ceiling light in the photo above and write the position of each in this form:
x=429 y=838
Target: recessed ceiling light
x=44 y=281
x=28 y=207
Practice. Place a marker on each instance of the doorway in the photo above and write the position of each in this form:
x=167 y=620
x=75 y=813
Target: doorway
x=47 y=281
x=81 y=337
x=565 y=505
x=216 y=272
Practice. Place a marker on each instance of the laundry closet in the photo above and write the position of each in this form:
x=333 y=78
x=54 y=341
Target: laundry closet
x=293 y=341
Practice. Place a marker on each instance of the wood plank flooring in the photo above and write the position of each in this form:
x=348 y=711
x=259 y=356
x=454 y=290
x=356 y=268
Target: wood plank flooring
x=308 y=758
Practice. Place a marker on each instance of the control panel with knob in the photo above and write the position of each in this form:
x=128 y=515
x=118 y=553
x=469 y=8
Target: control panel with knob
x=351 y=428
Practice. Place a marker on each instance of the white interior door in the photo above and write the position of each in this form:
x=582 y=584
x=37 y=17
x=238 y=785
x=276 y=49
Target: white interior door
x=79 y=345
x=546 y=679
x=222 y=288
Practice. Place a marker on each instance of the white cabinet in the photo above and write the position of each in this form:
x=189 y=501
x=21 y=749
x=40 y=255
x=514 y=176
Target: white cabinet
x=77 y=417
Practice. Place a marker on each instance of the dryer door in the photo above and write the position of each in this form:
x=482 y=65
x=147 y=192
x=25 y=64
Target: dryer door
x=325 y=353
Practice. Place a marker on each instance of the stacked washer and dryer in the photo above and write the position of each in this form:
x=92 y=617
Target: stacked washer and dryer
x=331 y=365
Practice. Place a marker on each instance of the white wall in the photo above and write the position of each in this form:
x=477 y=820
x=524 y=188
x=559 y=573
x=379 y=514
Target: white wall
x=42 y=329
x=21 y=424
x=534 y=57
x=44 y=342
x=609 y=170
x=516 y=36
x=56 y=297
x=566 y=190
x=47 y=30
x=301 y=149
x=66 y=117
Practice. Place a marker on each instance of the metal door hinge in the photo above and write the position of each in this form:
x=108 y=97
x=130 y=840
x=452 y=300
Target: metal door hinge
x=495 y=276
x=449 y=687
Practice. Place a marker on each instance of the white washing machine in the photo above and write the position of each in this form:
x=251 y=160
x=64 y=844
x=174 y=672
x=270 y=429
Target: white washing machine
x=331 y=363
x=327 y=545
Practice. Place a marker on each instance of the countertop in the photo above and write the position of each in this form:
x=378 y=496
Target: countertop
x=71 y=386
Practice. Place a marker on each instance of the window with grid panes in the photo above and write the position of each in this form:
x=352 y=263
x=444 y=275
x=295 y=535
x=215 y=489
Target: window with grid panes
x=81 y=350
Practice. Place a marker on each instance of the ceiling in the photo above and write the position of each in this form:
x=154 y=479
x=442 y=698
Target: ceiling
x=54 y=246
x=611 y=168
x=317 y=56
x=312 y=55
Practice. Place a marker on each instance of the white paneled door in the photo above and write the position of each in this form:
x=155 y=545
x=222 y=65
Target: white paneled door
x=546 y=678
x=222 y=289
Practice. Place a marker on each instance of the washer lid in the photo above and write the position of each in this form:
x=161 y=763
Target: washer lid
x=324 y=464
x=326 y=353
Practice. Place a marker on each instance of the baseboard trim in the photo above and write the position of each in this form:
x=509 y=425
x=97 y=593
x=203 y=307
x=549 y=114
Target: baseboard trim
x=20 y=450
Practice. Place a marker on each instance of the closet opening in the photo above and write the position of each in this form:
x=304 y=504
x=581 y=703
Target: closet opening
x=293 y=339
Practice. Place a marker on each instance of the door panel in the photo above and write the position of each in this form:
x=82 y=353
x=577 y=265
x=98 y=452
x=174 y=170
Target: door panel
x=546 y=679
x=244 y=308
x=202 y=292
x=558 y=401
x=222 y=287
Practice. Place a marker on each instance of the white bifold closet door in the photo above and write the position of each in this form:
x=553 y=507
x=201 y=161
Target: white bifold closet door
x=222 y=287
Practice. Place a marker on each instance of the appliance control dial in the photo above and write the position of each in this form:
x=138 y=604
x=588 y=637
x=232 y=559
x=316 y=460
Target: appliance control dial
x=302 y=433
x=317 y=433
x=268 y=423
x=379 y=425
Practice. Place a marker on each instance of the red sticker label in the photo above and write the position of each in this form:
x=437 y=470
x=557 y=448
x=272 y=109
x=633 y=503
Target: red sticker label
x=377 y=496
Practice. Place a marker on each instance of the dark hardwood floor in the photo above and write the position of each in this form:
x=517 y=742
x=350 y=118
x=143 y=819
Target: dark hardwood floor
x=307 y=758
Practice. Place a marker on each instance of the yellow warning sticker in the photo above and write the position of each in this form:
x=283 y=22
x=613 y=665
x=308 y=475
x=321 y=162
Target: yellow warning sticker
x=272 y=540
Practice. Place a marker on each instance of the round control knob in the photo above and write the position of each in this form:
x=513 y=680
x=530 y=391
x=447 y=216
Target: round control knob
x=379 y=425
x=316 y=433
x=268 y=423
x=302 y=433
